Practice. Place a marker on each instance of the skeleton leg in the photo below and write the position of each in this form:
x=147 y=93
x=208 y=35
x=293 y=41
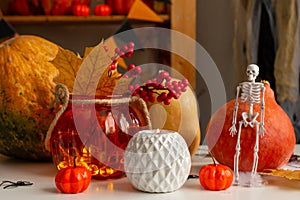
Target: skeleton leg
x=237 y=155
x=255 y=155
x=255 y=180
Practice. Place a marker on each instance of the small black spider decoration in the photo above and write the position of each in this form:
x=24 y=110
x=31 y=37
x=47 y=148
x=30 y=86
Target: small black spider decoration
x=11 y=184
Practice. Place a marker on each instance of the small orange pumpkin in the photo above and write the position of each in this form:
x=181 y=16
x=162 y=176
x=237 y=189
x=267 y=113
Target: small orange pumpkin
x=73 y=179
x=215 y=177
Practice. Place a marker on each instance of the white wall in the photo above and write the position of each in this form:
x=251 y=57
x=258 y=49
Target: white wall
x=215 y=34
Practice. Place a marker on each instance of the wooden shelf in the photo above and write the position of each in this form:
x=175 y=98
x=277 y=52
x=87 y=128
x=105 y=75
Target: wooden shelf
x=69 y=19
x=182 y=18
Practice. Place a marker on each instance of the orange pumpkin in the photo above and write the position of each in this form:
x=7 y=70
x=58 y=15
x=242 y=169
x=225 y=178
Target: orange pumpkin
x=275 y=147
x=73 y=179
x=26 y=90
x=215 y=177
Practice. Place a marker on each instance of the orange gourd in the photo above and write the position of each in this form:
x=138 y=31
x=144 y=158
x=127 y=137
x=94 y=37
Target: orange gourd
x=275 y=147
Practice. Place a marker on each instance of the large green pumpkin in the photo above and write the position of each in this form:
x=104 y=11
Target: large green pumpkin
x=26 y=91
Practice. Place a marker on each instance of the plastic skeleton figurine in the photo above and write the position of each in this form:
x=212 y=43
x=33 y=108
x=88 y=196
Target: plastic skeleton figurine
x=252 y=93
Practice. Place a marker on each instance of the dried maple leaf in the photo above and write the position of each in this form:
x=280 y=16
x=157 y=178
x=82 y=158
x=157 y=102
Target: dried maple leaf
x=68 y=65
x=89 y=75
x=112 y=83
x=87 y=51
x=289 y=174
x=93 y=77
x=107 y=82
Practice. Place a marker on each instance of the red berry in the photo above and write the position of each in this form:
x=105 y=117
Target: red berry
x=145 y=98
x=185 y=81
x=112 y=66
x=151 y=84
x=168 y=78
x=180 y=84
x=106 y=48
x=176 y=95
x=135 y=92
x=170 y=94
x=160 y=86
x=143 y=93
x=131 y=88
x=159 y=99
x=183 y=89
x=148 y=82
x=165 y=75
x=170 y=86
x=136 y=86
x=152 y=99
x=129 y=54
x=130 y=67
x=174 y=83
x=122 y=54
x=177 y=88
x=167 y=101
x=131 y=45
x=150 y=93
x=163 y=95
x=118 y=51
x=138 y=70
x=125 y=48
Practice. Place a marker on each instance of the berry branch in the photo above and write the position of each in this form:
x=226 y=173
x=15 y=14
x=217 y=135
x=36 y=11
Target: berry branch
x=162 y=88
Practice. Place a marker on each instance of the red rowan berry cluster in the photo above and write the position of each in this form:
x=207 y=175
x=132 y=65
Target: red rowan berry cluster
x=126 y=51
x=162 y=88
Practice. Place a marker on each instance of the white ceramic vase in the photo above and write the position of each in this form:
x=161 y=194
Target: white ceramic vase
x=157 y=161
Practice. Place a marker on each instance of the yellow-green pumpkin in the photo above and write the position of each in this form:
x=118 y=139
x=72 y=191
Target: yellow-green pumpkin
x=26 y=91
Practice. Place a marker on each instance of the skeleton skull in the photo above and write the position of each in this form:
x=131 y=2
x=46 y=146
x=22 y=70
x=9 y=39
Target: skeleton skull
x=252 y=72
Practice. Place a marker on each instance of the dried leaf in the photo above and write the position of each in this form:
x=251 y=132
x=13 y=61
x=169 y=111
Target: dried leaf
x=107 y=82
x=87 y=51
x=112 y=83
x=89 y=75
x=92 y=77
x=289 y=174
x=68 y=64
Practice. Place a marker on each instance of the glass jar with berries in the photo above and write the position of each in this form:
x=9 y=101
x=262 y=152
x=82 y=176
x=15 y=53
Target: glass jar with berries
x=95 y=131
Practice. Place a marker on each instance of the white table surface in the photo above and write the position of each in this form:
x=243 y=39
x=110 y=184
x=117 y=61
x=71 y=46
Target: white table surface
x=43 y=188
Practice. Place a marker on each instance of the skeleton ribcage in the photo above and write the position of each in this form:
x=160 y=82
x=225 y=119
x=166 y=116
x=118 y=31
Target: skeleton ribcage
x=250 y=92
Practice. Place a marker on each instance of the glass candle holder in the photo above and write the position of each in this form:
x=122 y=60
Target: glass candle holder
x=96 y=131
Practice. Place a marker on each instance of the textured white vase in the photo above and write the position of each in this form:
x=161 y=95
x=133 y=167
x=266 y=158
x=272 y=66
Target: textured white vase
x=157 y=161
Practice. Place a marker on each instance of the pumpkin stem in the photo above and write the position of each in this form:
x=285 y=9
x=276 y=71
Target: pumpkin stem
x=265 y=82
x=74 y=161
x=215 y=163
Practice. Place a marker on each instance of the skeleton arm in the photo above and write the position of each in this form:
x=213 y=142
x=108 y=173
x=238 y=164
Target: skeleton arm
x=262 y=112
x=236 y=106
